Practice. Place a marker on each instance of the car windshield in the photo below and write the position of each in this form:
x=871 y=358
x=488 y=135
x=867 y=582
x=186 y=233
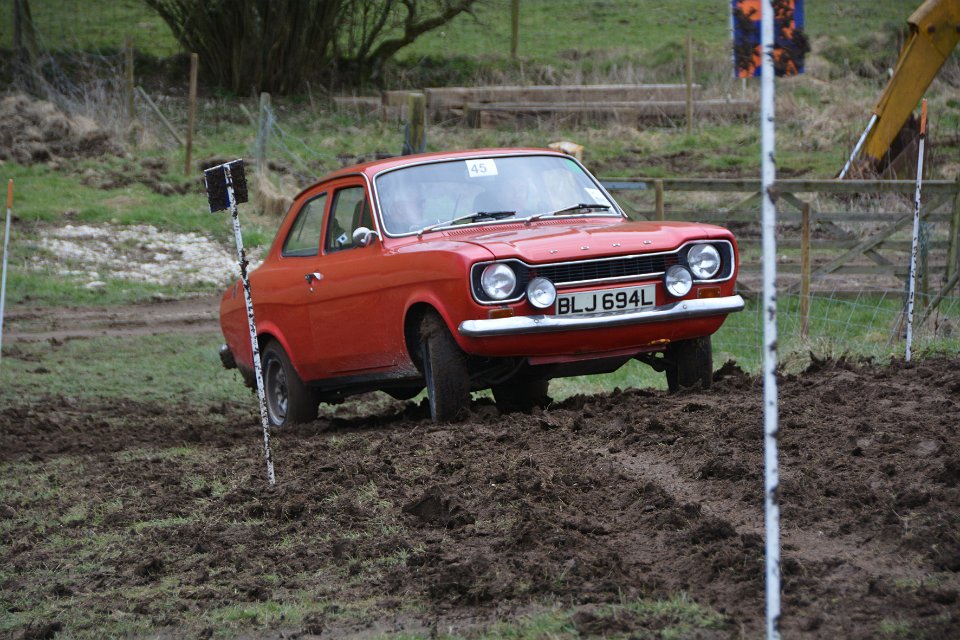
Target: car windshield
x=472 y=190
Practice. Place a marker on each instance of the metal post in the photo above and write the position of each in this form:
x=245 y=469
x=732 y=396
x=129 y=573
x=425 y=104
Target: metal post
x=6 y=246
x=916 y=232
x=222 y=191
x=252 y=325
x=856 y=149
x=770 y=408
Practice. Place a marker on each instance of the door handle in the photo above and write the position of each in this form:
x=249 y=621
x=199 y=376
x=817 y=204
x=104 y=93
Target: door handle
x=310 y=277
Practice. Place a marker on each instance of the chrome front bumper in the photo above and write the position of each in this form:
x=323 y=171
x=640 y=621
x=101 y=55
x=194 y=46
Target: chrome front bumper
x=680 y=310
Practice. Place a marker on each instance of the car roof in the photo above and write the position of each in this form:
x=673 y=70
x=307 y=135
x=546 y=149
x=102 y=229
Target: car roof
x=374 y=167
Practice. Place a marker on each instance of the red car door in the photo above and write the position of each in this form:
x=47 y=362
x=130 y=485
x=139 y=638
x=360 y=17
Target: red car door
x=348 y=320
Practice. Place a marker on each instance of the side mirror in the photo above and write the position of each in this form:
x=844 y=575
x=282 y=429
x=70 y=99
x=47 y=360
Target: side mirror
x=363 y=236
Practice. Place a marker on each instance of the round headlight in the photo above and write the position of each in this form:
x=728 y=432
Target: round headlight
x=498 y=281
x=704 y=261
x=541 y=293
x=678 y=281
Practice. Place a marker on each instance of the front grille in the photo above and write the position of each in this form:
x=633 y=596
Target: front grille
x=633 y=267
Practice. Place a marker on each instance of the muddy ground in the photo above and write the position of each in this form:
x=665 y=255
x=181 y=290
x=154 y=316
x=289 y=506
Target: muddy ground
x=145 y=518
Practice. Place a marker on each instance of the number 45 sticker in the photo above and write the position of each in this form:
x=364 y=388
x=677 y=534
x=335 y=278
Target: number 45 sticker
x=481 y=168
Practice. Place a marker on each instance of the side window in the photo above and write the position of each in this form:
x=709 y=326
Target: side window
x=349 y=212
x=304 y=236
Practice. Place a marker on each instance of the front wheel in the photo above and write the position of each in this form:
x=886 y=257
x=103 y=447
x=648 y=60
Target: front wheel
x=689 y=363
x=289 y=401
x=445 y=371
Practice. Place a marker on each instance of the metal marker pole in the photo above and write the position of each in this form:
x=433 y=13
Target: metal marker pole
x=251 y=323
x=6 y=245
x=916 y=231
x=770 y=408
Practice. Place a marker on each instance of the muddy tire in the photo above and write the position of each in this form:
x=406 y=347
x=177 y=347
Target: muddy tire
x=521 y=394
x=444 y=370
x=289 y=401
x=689 y=364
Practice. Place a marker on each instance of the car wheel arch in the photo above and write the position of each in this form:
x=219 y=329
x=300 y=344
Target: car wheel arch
x=267 y=336
x=411 y=329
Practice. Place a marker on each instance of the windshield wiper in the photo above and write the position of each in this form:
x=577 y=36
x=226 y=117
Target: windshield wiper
x=476 y=216
x=574 y=208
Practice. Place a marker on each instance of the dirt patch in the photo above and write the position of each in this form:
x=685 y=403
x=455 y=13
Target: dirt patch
x=595 y=501
x=34 y=131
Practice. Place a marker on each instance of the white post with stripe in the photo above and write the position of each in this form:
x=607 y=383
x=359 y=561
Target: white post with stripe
x=223 y=184
x=916 y=232
x=770 y=407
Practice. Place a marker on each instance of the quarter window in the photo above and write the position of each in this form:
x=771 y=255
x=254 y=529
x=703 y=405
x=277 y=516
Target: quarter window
x=304 y=236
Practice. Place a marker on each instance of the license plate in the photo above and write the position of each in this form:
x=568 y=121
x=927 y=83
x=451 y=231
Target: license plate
x=606 y=300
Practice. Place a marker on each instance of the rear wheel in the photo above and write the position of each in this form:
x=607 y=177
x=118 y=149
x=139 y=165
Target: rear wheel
x=689 y=363
x=521 y=394
x=445 y=371
x=289 y=401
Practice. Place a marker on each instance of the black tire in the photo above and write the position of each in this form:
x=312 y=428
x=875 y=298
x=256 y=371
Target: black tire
x=444 y=370
x=521 y=394
x=689 y=364
x=289 y=401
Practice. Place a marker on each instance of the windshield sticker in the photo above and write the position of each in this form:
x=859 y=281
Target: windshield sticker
x=481 y=168
x=597 y=195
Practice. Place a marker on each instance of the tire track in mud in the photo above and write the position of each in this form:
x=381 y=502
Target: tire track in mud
x=194 y=315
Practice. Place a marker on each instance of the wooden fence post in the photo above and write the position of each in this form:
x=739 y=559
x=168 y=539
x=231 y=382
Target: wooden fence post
x=952 y=265
x=415 y=138
x=658 y=196
x=514 y=28
x=689 y=83
x=191 y=111
x=263 y=133
x=128 y=88
x=805 y=271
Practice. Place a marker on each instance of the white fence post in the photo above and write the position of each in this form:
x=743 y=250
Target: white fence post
x=916 y=232
x=770 y=407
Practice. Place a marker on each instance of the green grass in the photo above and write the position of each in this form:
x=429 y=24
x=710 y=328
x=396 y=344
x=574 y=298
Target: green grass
x=165 y=368
x=186 y=368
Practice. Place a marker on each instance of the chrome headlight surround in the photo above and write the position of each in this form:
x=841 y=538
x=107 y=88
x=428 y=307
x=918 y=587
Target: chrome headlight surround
x=498 y=281
x=541 y=293
x=704 y=261
x=678 y=281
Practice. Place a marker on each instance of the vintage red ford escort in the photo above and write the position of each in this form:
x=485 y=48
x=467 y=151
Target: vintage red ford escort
x=460 y=271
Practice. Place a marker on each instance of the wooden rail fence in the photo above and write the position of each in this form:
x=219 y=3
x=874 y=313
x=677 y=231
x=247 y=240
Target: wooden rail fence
x=826 y=242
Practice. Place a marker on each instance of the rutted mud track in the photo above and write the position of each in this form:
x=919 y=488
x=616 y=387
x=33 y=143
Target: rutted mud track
x=596 y=500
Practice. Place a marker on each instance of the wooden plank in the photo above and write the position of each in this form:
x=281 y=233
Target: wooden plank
x=930 y=187
x=726 y=215
x=851 y=270
x=459 y=97
x=860 y=247
x=840 y=245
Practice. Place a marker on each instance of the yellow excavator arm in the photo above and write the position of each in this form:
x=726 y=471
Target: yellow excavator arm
x=934 y=33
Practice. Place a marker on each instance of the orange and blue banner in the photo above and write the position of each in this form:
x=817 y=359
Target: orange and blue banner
x=790 y=42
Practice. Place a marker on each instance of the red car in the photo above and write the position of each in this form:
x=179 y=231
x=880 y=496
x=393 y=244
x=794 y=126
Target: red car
x=469 y=270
